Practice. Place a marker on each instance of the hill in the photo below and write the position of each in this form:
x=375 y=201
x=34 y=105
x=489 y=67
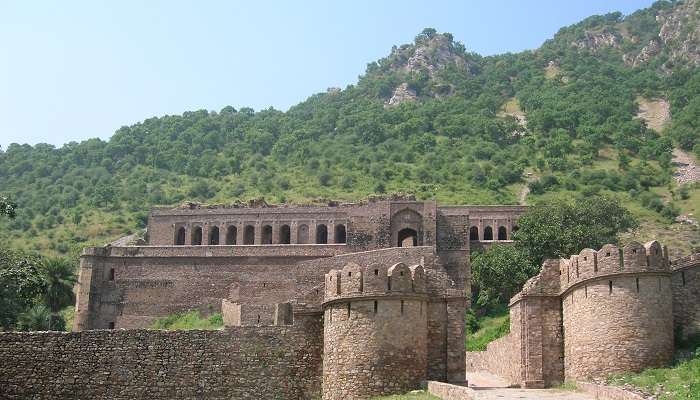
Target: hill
x=431 y=118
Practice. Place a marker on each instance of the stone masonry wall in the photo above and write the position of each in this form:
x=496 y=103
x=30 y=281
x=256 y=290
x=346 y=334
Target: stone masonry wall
x=623 y=329
x=685 y=281
x=130 y=287
x=241 y=363
x=371 y=353
x=500 y=358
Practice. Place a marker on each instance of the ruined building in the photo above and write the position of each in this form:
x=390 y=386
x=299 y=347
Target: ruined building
x=344 y=301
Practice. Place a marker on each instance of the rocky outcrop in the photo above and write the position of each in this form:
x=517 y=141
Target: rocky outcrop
x=597 y=40
x=401 y=94
x=651 y=50
x=680 y=32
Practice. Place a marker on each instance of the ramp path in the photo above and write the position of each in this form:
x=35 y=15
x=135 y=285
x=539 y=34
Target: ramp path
x=484 y=386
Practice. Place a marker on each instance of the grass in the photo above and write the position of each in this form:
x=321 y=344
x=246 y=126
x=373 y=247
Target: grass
x=490 y=329
x=417 y=395
x=187 y=321
x=681 y=381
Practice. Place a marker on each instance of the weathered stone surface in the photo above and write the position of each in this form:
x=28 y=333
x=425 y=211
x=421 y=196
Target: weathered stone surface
x=241 y=363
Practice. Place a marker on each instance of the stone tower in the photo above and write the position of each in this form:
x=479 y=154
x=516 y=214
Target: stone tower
x=617 y=310
x=375 y=330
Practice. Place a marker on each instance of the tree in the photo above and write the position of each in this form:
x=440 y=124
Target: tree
x=20 y=284
x=560 y=228
x=7 y=207
x=59 y=278
x=498 y=274
x=37 y=318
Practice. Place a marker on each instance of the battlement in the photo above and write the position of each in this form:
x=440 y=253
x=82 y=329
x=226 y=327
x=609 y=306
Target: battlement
x=354 y=281
x=613 y=260
x=685 y=262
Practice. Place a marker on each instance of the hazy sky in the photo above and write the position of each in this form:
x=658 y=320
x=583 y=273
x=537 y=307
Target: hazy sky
x=72 y=70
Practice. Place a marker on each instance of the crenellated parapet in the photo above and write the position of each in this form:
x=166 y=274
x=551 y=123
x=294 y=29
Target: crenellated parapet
x=612 y=260
x=355 y=281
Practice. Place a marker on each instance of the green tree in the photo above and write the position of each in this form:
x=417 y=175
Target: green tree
x=7 y=207
x=20 y=284
x=499 y=273
x=59 y=279
x=560 y=228
x=37 y=318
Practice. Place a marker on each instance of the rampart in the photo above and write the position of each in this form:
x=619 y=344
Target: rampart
x=685 y=281
x=595 y=313
x=375 y=330
x=280 y=362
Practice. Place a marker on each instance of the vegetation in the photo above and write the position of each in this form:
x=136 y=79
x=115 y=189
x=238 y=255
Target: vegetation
x=486 y=329
x=681 y=381
x=552 y=229
x=34 y=291
x=187 y=321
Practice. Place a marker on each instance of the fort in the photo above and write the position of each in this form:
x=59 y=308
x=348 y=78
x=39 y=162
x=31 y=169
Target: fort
x=343 y=301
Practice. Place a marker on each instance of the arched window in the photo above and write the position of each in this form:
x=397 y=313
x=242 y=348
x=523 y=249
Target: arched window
x=474 y=233
x=249 y=234
x=231 y=235
x=214 y=235
x=488 y=233
x=340 y=235
x=502 y=233
x=285 y=235
x=180 y=236
x=267 y=234
x=303 y=234
x=408 y=238
x=321 y=234
x=197 y=236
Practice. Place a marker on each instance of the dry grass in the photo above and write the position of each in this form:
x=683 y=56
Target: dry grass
x=656 y=112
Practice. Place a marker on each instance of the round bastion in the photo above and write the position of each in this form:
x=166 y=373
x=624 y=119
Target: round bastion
x=617 y=310
x=375 y=331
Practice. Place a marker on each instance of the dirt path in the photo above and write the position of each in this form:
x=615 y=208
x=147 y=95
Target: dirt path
x=491 y=387
x=687 y=170
x=522 y=196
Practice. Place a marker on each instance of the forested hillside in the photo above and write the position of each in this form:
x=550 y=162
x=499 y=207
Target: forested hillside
x=431 y=119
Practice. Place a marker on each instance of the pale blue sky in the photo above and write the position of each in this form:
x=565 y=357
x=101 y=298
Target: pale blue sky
x=72 y=70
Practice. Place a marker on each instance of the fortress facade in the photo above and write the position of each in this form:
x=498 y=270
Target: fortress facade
x=342 y=301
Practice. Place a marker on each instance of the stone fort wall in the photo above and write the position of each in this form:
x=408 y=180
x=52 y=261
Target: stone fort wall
x=375 y=330
x=129 y=287
x=595 y=313
x=685 y=283
x=279 y=362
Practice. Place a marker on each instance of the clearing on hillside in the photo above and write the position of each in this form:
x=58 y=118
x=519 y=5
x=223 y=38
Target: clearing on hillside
x=655 y=112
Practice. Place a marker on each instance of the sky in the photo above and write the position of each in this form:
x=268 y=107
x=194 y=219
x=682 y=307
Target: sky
x=73 y=70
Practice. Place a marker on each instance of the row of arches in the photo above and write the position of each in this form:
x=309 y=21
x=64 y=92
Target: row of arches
x=502 y=233
x=231 y=236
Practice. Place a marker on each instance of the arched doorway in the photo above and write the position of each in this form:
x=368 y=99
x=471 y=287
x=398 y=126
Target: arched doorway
x=321 y=234
x=214 y=236
x=231 y=234
x=407 y=223
x=502 y=233
x=408 y=238
x=285 y=235
x=488 y=233
x=180 y=236
x=197 y=236
x=340 y=234
x=267 y=234
x=474 y=233
x=249 y=235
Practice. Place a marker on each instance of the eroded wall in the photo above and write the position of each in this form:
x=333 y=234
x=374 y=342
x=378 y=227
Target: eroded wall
x=685 y=281
x=240 y=363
